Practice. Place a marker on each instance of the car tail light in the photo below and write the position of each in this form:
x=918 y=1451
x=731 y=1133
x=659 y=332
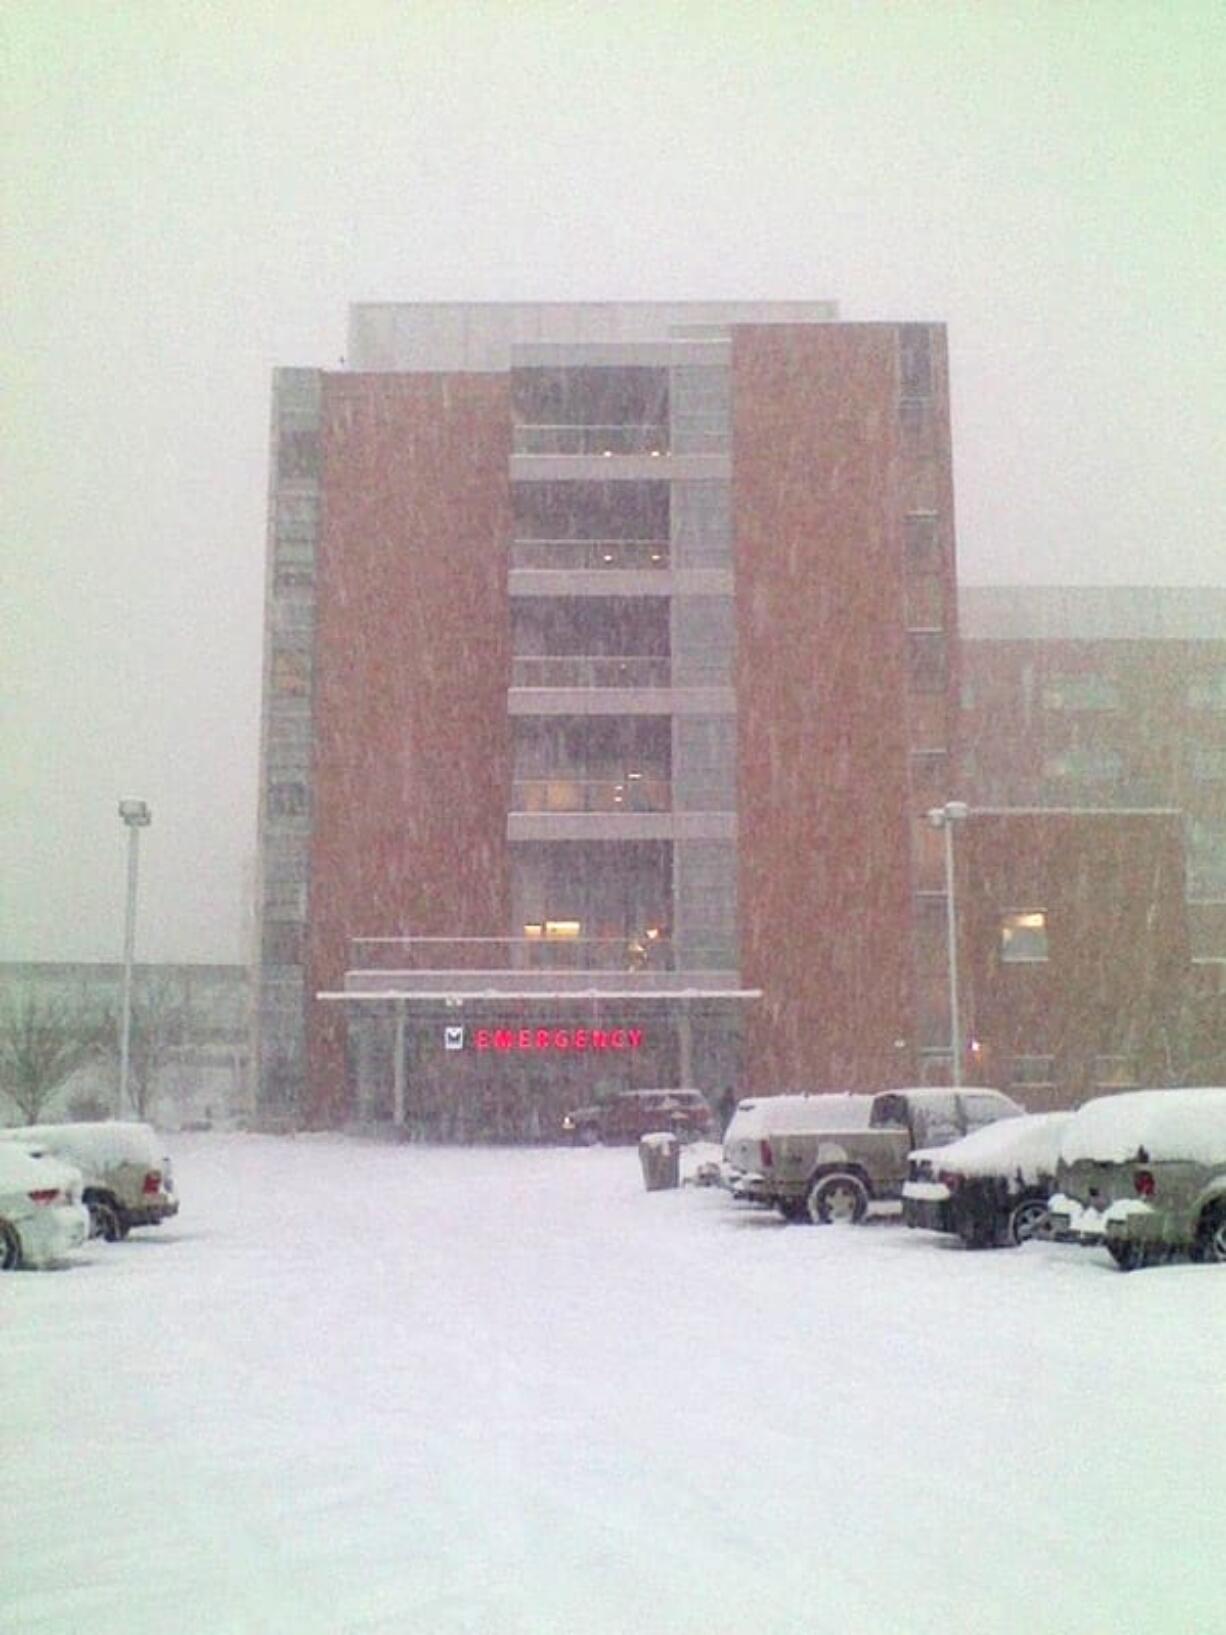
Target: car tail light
x=153 y=1183
x=45 y=1195
x=1143 y=1183
x=766 y=1154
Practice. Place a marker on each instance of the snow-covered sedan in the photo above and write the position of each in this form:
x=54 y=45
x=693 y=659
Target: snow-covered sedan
x=42 y=1217
x=992 y=1187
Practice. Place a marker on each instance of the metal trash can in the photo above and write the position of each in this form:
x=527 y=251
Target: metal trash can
x=660 y=1156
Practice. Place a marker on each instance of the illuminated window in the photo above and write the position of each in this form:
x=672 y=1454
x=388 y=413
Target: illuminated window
x=563 y=928
x=1023 y=936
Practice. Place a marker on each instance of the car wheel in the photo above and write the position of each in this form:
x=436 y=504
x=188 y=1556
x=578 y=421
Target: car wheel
x=104 y=1221
x=793 y=1209
x=837 y=1199
x=1025 y=1219
x=588 y=1136
x=1212 y=1236
x=1129 y=1257
x=10 y=1248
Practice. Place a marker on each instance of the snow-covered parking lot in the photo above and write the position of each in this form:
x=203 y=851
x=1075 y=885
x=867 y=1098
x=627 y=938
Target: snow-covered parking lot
x=356 y=1388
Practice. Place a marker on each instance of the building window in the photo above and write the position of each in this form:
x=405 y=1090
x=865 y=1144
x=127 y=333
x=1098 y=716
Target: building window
x=293 y=577
x=282 y=943
x=291 y=673
x=1208 y=691
x=1080 y=692
x=927 y=662
x=915 y=360
x=1114 y=1072
x=1033 y=1071
x=1023 y=936
x=925 y=603
x=297 y=516
x=288 y=800
x=927 y=723
x=921 y=544
x=297 y=454
x=929 y=781
x=285 y=900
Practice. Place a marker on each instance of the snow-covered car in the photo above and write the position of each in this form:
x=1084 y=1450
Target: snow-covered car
x=1144 y=1173
x=757 y=1120
x=42 y=1217
x=127 y=1180
x=628 y=1115
x=992 y=1187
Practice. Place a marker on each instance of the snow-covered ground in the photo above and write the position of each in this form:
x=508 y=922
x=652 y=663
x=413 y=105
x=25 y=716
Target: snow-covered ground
x=372 y=1389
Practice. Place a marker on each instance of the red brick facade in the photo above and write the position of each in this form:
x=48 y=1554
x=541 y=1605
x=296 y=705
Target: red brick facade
x=412 y=660
x=822 y=475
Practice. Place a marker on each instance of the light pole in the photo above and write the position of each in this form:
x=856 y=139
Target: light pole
x=945 y=817
x=136 y=816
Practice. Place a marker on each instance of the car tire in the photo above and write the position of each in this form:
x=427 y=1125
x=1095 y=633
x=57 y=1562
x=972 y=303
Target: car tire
x=1129 y=1257
x=1211 y=1238
x=840 y=1199
x=10 y=1248
x=1024 y=1219
x=793 y=1209
x=587 y=1136
x=104 y=1221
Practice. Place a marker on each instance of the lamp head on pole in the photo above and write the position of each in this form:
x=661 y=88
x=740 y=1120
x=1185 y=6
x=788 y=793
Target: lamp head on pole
x=953 y=811
x=135 y=813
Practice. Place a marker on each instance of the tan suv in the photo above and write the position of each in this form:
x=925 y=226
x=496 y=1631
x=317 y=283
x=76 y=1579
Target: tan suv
x=1145 y=1174
x=127 y=1179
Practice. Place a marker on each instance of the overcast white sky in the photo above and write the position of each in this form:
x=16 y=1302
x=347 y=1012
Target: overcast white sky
x=195 y=192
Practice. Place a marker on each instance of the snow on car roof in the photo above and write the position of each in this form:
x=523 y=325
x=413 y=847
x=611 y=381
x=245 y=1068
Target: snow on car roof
x=944 y=1092
x=93 y=1147
x=1188 y=1124
x=21 y=1171
x=1030 y=1144
x=795 y=1114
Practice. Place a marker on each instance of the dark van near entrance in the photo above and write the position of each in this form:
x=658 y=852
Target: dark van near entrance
x=630 y=1114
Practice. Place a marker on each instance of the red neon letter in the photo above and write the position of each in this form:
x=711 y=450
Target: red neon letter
x=635 y=1035
x=600 y=1039
x=525 y=1039
x=483 y=1038
x=504 y=1039
x=580 y=1038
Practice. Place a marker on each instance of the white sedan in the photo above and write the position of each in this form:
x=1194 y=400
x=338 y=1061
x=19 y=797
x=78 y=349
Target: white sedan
x=41 y=1213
